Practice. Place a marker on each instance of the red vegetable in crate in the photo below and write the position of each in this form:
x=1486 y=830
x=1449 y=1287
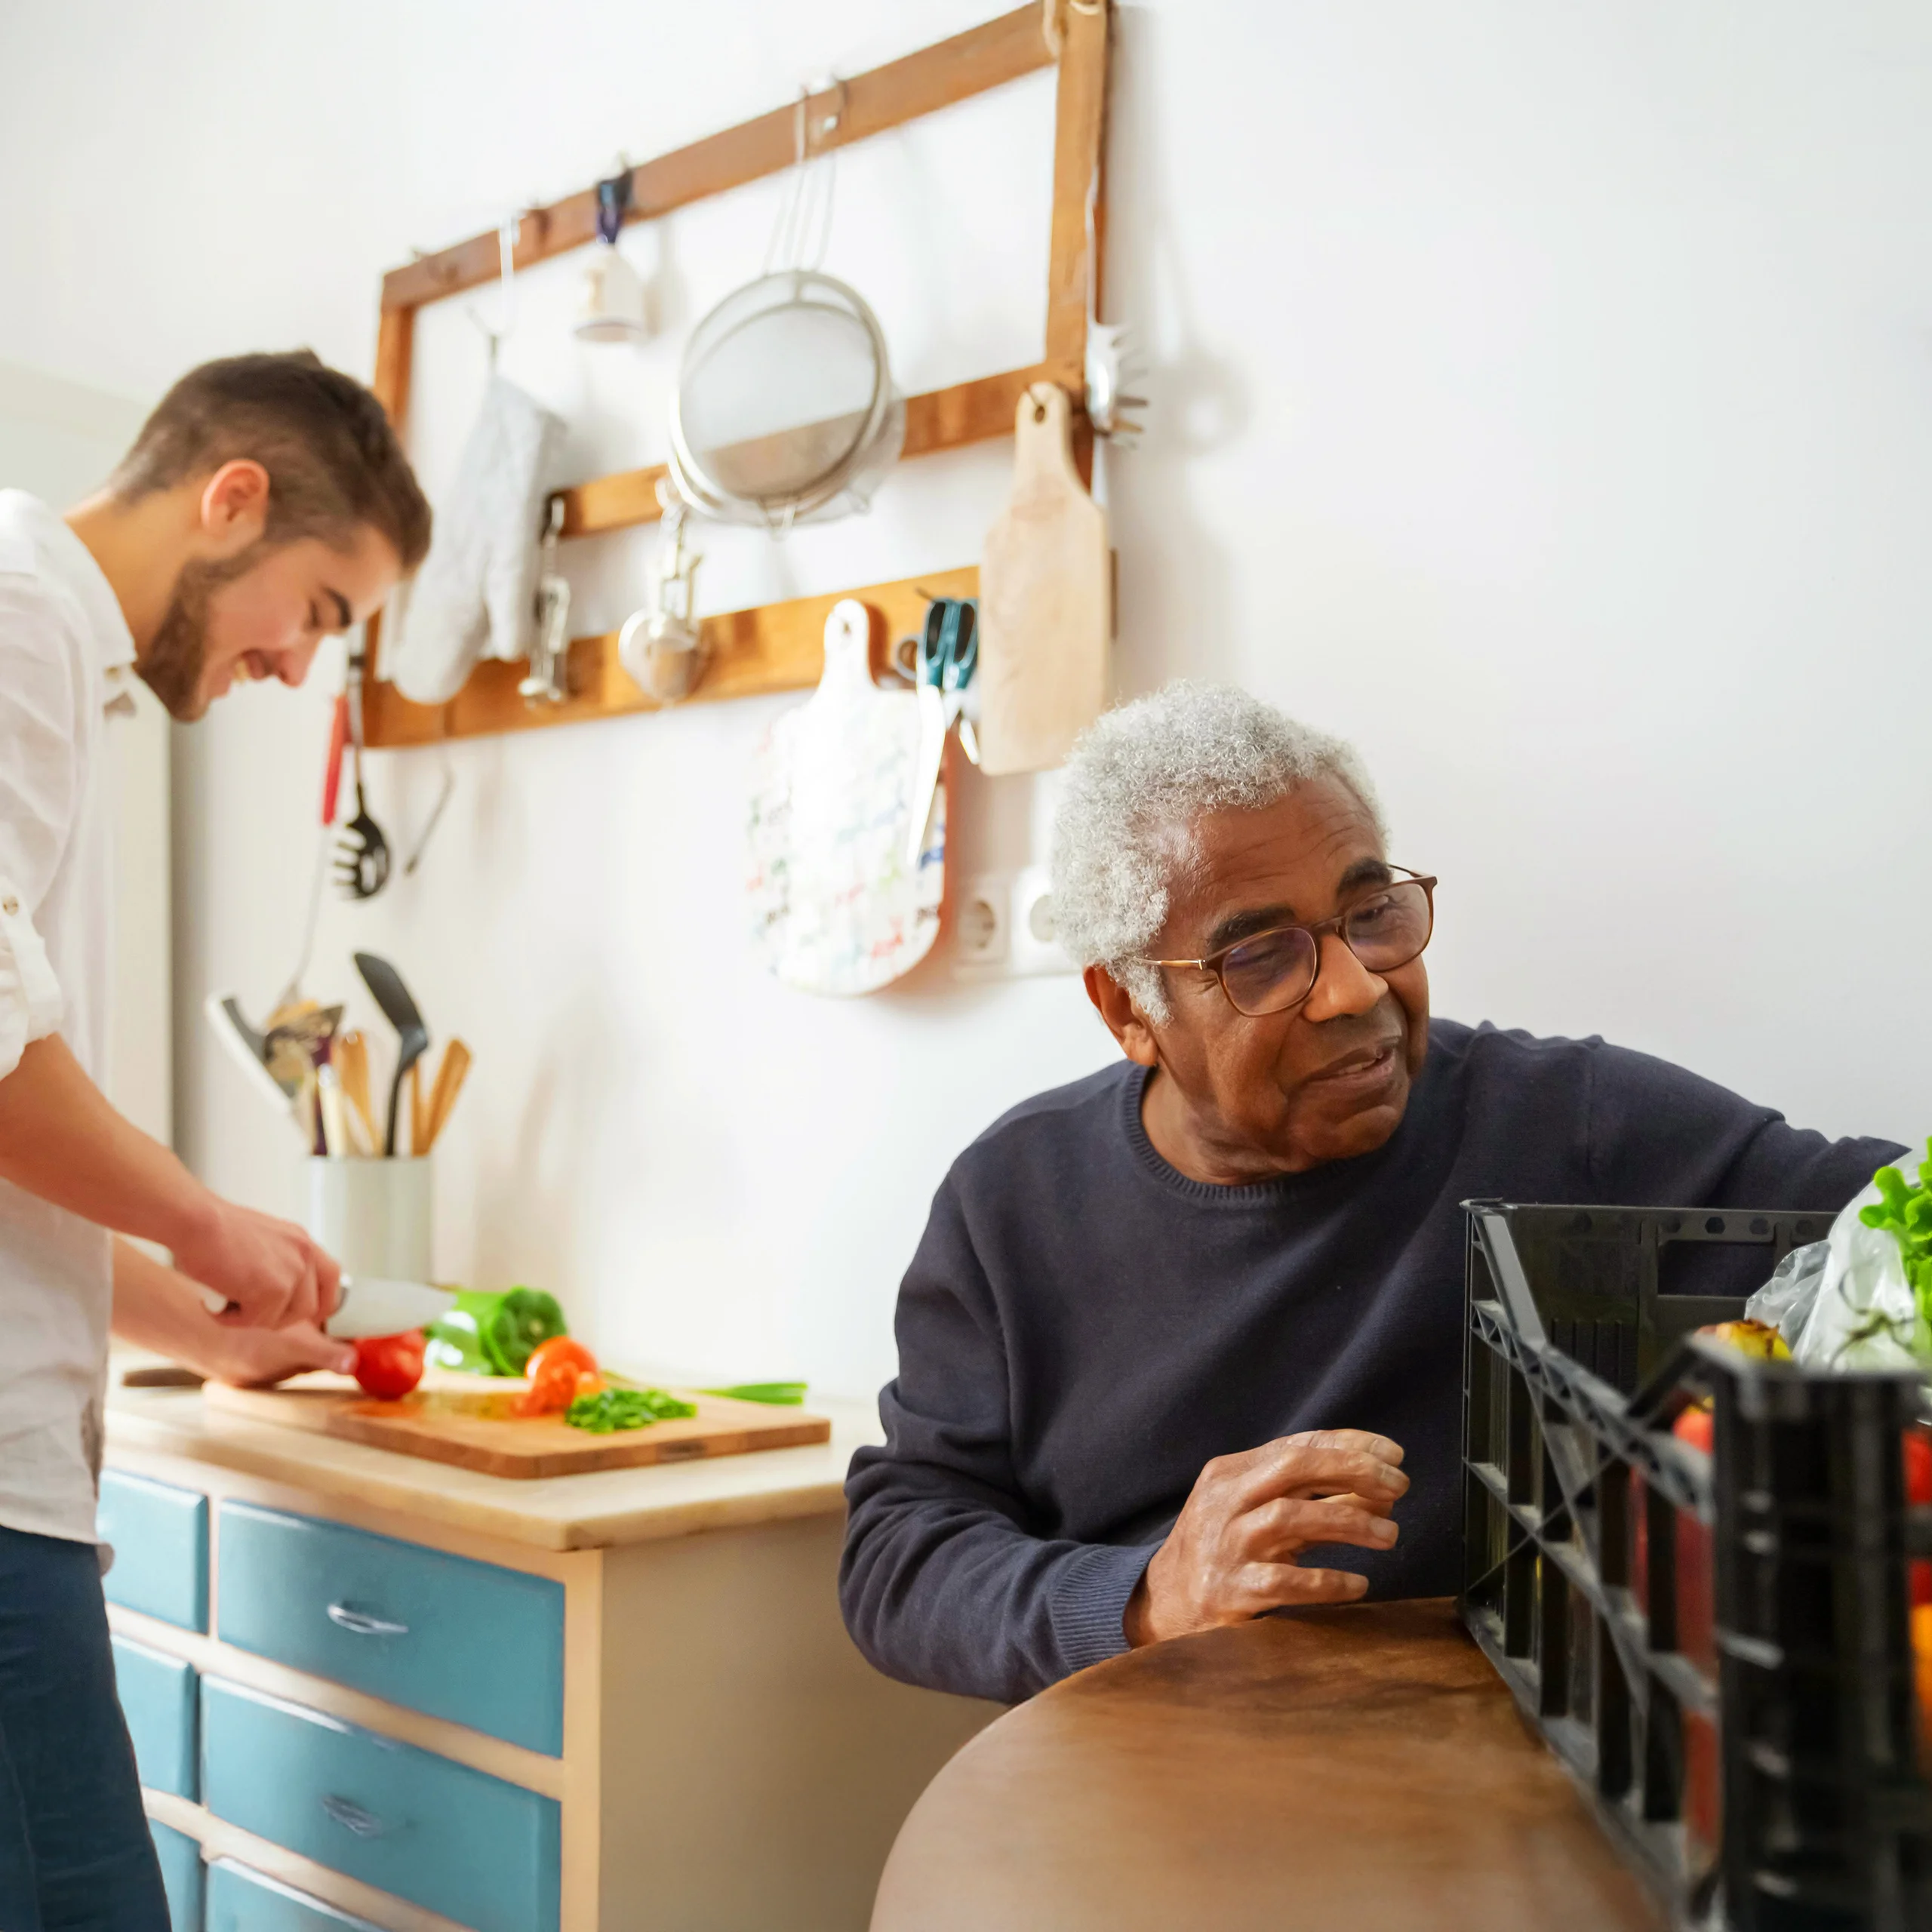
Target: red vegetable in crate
x=1697 y=1592
x=1918 y=1489
x=1921 y=1659
x=389 y=1366
x=1703 y=1791
x=1695 y=1426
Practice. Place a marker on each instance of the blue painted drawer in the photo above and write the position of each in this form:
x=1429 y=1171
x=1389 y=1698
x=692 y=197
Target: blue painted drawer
x=453 y=1840
x=160 y=1535
x=158 y=1700
x=240 y=1900
x=180 y=1876
x=478 y=1644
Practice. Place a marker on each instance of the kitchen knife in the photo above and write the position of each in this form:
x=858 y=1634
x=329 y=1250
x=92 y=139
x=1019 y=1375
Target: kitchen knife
x=367 y=1305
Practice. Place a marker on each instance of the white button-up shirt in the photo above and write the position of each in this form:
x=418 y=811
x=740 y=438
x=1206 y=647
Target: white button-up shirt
x=66 y=655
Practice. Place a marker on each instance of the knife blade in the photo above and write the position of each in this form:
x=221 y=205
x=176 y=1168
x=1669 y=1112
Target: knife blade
x=368 y=1304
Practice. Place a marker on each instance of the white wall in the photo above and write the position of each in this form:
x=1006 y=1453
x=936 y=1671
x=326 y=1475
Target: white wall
x=59 y=439
x=1544 y=398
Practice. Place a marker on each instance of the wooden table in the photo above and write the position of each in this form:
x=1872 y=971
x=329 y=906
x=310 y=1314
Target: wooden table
x=1360 y=1767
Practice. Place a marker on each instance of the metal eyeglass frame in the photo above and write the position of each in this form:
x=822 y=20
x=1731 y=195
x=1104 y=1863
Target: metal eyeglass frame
x=1215 y=960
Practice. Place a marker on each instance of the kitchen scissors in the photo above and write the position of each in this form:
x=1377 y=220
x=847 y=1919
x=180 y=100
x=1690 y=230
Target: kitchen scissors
x=948 y=655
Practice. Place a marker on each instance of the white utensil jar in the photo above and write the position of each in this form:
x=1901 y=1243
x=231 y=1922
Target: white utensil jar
x=374 y=1217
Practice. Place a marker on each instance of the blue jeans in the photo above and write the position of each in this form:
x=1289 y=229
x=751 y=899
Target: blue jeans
x=75 y=1852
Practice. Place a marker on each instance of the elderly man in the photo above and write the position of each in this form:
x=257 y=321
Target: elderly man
x=1182 y=1344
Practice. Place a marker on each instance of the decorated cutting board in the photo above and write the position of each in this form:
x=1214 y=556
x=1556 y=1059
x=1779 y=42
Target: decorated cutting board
x=467 y=1420
x=1046 y=600
x=837 y=906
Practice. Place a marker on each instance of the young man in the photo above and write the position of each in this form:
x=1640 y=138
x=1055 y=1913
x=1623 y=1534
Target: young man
x=266 y=504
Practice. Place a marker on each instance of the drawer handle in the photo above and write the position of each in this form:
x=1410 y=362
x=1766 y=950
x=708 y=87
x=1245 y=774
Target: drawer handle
x=352 y=1817
x=363 y=1624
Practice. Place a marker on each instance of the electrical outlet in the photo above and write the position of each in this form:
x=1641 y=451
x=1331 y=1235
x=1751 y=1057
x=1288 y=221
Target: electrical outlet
x=1034 y=947
x=980 y=928
x=1004 y=928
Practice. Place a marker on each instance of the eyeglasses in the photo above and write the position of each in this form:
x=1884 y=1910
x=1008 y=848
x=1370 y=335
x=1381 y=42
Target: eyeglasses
x=1270 y=972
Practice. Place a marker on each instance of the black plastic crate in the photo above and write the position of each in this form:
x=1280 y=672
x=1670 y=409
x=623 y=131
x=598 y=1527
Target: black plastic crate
x=1719 y=1647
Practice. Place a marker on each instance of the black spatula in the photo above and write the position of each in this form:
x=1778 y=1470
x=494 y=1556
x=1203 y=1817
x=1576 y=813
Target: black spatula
x=412 y=1037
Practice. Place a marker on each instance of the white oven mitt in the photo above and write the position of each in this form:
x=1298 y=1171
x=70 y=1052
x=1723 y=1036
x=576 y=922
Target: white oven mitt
x=475 y=595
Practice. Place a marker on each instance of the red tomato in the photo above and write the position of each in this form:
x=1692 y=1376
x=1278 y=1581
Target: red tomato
x=557 y=1349
x=1918 y=1489
x=560 y=1370
x=1697 y=1635
x=560 y=1383
x=1696 y=1427
x=1703 y=1774
x=1919 y=1465
x=389 y=1366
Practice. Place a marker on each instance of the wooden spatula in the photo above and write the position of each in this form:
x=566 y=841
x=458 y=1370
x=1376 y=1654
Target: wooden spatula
x=1045 y=600
x=450 y=1076
x=351 y=1064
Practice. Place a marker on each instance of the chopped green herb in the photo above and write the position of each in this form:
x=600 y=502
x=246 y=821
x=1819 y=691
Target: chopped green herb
x=610 y=1410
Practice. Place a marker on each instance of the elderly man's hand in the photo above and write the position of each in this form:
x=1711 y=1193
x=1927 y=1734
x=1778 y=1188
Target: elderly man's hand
x=1232 y=1552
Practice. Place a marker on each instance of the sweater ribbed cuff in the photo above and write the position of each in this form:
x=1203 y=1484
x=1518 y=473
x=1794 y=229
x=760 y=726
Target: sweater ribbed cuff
x=1089 y=1600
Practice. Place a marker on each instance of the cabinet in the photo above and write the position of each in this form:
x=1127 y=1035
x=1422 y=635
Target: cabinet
x=368 y=1691
x=240 y=1900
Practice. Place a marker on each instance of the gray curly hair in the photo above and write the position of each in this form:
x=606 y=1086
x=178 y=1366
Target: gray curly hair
x=1136 y=783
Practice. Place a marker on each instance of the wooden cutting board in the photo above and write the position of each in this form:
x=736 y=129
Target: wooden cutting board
x=466 y=1419
x=1046 y=600
x=836 y=907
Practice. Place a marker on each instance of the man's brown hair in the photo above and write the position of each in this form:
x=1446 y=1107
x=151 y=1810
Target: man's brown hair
x=334 y=461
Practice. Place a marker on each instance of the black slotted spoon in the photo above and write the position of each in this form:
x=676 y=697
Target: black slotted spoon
x=362 y=852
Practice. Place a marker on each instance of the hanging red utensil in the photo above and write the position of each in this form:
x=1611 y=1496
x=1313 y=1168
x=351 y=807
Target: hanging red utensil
x=338 y=744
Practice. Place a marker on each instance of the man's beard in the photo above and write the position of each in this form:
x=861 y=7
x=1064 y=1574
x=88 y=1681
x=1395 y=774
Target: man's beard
x=177 y=653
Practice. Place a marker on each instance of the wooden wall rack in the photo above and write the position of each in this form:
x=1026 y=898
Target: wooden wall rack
x=777 y=646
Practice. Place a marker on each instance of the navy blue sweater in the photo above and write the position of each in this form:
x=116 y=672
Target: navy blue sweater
x=1083 y=1327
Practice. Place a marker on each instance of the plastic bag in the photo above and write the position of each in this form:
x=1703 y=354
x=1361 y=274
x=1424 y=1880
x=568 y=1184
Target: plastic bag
x=1844 y=1302
x=1784 y=1301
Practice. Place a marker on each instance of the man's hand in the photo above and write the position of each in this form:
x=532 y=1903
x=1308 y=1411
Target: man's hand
x=1232 y=1552
x=60 y=1140
x=253 y=1357
x=270 y=1272
x=155 y=1308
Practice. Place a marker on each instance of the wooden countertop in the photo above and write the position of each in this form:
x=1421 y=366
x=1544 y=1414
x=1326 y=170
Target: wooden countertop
x=560 y=1512
x=1360 y=1767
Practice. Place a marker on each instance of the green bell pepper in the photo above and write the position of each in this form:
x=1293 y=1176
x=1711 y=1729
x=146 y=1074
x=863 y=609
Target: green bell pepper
x=494 y=1333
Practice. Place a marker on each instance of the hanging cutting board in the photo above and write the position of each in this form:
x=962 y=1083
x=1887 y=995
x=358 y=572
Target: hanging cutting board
x=836 y=907
x=1045 y=600
x=467 y=1420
